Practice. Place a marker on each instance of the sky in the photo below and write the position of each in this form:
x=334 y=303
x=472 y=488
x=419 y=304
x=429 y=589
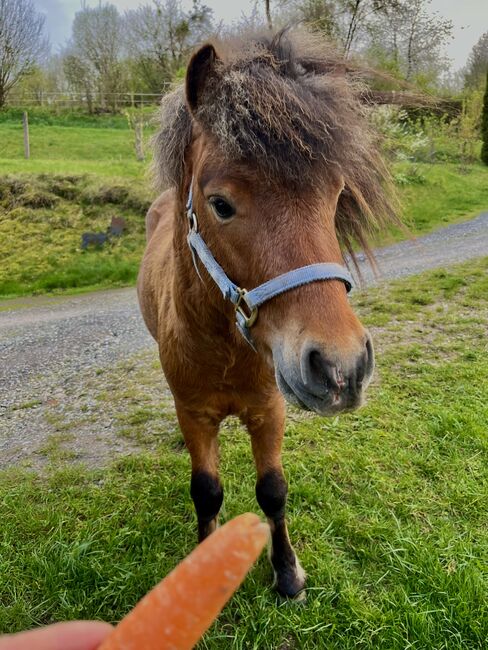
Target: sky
x=470 y=19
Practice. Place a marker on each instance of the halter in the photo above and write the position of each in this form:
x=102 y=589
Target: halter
x=246 y=303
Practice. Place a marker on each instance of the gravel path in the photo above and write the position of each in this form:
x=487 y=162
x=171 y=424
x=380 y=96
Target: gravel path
x=60 y=355
x=449 y=245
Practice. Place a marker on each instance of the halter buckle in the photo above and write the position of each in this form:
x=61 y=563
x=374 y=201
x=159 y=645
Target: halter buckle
x=192 y=221
x=251 y=314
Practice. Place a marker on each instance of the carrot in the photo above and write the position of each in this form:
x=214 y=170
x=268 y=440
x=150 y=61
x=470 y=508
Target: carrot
x=177 y=612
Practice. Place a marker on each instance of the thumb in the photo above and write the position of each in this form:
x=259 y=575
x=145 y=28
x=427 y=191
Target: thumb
x=77 y=635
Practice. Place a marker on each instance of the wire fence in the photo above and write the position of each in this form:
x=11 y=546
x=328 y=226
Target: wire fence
x=90 y=103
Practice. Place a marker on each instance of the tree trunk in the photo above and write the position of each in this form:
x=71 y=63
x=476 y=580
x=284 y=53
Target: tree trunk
x=352 y=28
x=413 y=28
x=268 y=13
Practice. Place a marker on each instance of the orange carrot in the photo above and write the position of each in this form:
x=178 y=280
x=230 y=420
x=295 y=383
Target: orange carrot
x=176 y=613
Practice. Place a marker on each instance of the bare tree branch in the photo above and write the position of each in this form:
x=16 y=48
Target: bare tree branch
x=22 y=42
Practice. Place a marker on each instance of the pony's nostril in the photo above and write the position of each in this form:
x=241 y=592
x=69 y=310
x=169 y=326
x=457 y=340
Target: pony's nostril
x=319 y=375
x=315 y=364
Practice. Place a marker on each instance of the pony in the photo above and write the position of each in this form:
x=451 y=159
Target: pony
x=267 y=149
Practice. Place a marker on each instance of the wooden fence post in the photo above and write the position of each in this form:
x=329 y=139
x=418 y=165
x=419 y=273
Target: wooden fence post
x=25 y=123
x=139 y=138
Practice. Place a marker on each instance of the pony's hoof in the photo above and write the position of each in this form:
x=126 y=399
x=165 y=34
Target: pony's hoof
x=299 y=597
x=291 y=585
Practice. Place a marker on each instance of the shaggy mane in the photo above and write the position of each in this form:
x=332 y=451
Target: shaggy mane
x=289 y=104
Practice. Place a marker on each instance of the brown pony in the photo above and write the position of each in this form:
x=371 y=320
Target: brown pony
x=284 y=167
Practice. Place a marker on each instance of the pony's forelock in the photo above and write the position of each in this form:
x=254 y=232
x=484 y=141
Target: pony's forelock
x=284 y=104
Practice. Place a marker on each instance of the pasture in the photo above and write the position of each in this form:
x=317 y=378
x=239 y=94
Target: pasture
x=83 y=170
x=387 y=507
x=333 y=160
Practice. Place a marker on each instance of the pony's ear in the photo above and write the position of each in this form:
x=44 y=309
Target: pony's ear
x=199 y=68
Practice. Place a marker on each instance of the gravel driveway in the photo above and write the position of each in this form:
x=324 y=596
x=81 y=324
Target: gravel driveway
x=63 y=357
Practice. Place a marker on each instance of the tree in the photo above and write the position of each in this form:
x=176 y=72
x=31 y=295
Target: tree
x=319 y=15
x=409 y=39
x=347 y=21
x=80 y=78
x=356 y=16
x=22 y=42
x=477 y=65
x=44 y=80
x=94 y=55
x=484 y=125
x=161 y=36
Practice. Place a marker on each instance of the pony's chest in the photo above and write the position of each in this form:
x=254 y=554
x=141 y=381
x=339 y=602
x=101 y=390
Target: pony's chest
x=225 y=383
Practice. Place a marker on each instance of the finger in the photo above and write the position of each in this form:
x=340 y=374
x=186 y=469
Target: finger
x=77 y=635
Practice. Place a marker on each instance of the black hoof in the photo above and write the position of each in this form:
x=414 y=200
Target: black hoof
x=290 y=584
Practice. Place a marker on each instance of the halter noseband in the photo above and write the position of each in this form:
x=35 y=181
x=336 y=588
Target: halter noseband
x=246 y=303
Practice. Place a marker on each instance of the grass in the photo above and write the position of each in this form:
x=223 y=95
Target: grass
x=42 y=219
x=387 y=507
x=433 y=196
x=70 y=143
x=128 y=169
x=44 y=116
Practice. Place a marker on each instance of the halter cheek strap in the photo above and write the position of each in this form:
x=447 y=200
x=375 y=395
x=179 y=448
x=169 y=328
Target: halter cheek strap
x=246 y=303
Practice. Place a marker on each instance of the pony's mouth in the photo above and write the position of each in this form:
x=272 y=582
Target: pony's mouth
x=326 y=394
x=288 y=393
x=330 y=404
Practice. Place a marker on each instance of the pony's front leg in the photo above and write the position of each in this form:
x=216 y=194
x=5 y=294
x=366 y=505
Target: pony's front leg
x=200 y=436
x=267 y=428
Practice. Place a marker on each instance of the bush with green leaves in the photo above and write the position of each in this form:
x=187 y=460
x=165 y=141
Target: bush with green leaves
x=402 y=140
x=484 y=125
x=431 y=138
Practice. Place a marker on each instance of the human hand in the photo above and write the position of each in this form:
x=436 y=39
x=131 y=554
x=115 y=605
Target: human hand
x=76 y=635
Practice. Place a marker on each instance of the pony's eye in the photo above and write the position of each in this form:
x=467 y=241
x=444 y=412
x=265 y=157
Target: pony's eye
x=221 y=208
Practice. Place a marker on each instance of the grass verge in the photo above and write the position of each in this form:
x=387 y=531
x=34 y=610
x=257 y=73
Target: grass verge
x=387 y=507
x=437 y=195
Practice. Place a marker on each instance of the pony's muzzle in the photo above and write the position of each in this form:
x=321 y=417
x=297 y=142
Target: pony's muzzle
x=322 y=383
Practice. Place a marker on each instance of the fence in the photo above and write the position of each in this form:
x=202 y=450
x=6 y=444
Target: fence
x=74 y=100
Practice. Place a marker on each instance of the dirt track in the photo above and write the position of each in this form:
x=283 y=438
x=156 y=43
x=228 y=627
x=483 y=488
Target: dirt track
x=52 y=348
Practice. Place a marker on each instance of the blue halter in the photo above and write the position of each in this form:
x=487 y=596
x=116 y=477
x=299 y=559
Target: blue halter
x=246 y=303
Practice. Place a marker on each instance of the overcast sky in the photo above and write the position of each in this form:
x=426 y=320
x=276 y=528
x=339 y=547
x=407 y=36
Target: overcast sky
x=470 y=18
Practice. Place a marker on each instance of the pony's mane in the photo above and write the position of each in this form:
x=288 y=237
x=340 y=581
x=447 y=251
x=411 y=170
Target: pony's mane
x=288 y=104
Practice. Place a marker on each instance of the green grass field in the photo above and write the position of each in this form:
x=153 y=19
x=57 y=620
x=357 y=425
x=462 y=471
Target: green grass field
x=387 y=508
x=70 y=144
x=40 y=240
x=44 y=218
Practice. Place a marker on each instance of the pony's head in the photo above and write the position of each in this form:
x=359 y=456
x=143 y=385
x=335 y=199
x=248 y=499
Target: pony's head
x=285 y=171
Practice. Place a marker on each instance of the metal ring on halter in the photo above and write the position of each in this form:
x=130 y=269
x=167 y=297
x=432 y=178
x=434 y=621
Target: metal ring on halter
x=252 y=313
x=192 y=221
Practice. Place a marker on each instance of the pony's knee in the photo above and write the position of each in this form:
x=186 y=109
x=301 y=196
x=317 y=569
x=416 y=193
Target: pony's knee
x=271 y=491
x=207 y=494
